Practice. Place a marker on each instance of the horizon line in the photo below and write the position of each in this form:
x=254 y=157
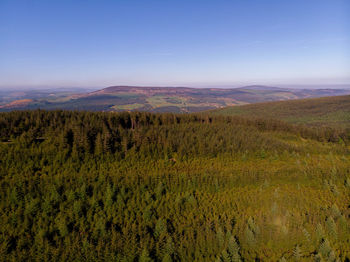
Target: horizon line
x=218 y=86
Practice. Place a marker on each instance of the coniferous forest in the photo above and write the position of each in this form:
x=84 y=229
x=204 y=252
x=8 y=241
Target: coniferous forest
x=83 y=186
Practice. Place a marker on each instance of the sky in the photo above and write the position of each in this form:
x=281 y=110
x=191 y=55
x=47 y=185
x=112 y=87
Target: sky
x=93 y=43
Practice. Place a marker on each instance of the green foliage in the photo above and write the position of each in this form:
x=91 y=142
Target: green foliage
x=306 y=235
x=325 y=249
x=320 y=234
x=144 y=257
x=319 y=112
x=62 y=227
x=233 y=250
x=145 y=187
x=297 y=253
x=250 y=237
x=167 y=258
x=225 y=257
x=160 y=228
x=331 y=227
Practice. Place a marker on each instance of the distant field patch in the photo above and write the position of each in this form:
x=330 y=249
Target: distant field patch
x=127 y=107
x=162 y=101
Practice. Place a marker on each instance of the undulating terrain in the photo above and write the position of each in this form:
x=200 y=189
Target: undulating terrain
x=20 y=98
x=156 y=99
x=326 y=111
x=175 y=131
x=101 y=186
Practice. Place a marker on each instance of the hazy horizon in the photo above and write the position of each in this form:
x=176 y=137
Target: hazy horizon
x=92 y=88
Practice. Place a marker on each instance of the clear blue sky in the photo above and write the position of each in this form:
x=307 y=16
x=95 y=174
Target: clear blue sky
x=189 y=42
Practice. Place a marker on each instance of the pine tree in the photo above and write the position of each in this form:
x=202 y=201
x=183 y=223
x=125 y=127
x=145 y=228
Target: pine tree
x=99 y=150
x=282 y=259
x=306 y=235
x=347 y=183
x=167 y=258
x=331 y=257
x=297 y=253
x=324 y=248
x=160 y=190
x=253 y=227
x=318 y=258
x=249 y=237
x=331 y=227
x=159 y=228
x=335 y=211
x=169 y=247
x=62 y=227
x=343 y=224
x=220 y=237
x=109 y=195
x=319 y=232
x=144 y=257
x=233 y=249
x=225 y=257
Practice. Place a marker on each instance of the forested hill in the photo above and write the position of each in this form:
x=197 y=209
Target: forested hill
x=166 y=187
x=85 y=130
x=325 y=111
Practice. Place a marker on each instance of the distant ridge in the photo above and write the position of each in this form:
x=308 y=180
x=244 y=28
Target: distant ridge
x=159 y=99
x=260 y=87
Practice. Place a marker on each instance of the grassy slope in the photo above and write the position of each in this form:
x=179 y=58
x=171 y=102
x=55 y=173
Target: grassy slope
x=326 y=111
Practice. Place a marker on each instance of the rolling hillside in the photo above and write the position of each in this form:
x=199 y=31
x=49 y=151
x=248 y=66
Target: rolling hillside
x=101 y=186
x=158 y=99
x=325 y=111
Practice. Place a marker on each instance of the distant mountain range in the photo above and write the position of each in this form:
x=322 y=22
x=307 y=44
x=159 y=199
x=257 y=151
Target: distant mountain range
x=155 y=99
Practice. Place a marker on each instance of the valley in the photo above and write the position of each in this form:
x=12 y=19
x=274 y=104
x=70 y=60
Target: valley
x=158 y=99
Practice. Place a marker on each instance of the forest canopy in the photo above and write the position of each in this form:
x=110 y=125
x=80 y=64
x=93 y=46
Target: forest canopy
x=171 y=187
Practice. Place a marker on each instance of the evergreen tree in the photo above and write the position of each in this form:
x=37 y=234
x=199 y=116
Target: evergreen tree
x=249 y=237
x=233 y=249
x=331 y=227
x=324 y=248
x=144 y=257
x=282 y=259
x=160 y=228
x=297 y=253
x=167 y=258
